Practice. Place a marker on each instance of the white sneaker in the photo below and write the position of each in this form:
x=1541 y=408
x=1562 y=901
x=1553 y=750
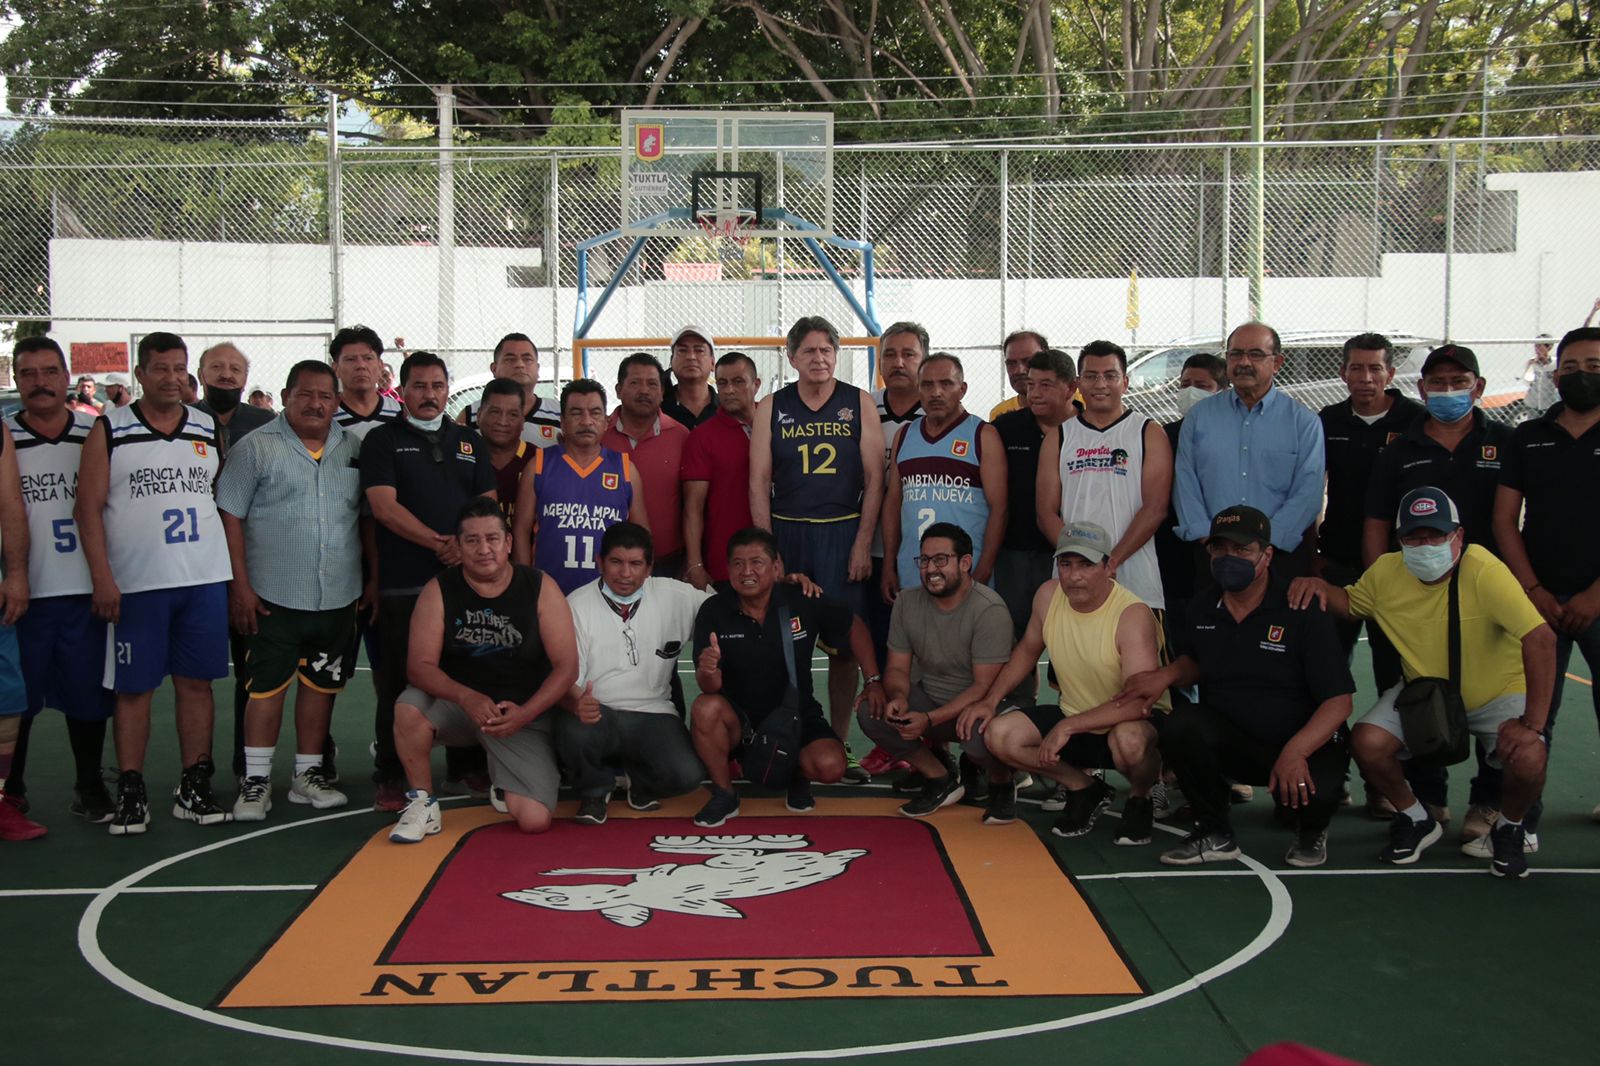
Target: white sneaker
x=497 y=800
x=255 y=800
x=1483 y=847
x=1479 y=821
x=311 y=786
x=1594 y=815
x=1056 y=801
x=419 y=819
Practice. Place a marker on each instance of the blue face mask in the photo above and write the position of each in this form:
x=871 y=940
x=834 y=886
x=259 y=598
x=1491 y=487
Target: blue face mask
x=1450 y=406
x=624 y=601
x=1233 y=573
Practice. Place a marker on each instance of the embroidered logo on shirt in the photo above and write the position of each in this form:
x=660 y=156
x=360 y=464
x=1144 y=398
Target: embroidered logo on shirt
x=1390 y=438
x=958 y=448
x=846 y=415
x=1490 y=452
x=466 y=447
x=794 y=625
x=200 y=448
x=1275 y=634
x=608 y=481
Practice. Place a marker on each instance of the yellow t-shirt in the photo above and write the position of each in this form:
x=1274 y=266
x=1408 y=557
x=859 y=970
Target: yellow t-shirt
x=1083 y=648
x=1005 y=406
x=1495 y=615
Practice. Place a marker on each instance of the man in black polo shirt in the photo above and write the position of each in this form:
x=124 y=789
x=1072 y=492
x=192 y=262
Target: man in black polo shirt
x=1274 y=697
x=1457 y=448
x=1026 y=558
x=740 y=670
x=1551 y=467
x=416 y=473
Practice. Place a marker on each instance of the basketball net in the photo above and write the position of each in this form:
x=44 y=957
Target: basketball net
x=728 y=223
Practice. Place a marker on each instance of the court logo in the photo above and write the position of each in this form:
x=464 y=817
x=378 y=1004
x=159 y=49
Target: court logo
x=853 y=902
x=647 y=143
x=958 y=448
x=609 y=481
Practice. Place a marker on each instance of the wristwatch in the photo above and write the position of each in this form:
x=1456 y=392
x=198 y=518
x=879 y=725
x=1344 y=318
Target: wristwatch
x=874 y=679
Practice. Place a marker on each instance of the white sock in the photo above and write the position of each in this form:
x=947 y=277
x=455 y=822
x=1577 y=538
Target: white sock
x=258 y=762
x=1416 y=812
x=302 y=763
x=1503 y=820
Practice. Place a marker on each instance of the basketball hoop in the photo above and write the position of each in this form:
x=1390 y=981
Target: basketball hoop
x=727 y=222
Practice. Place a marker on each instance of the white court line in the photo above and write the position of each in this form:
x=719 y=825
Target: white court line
x=1129 y=875
x=155 y=890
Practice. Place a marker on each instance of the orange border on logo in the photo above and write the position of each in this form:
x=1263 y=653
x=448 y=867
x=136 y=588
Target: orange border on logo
x=640 y=133
x=1043 y=937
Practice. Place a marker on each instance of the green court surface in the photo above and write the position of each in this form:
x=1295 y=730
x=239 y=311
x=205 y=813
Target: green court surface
x=125 y=947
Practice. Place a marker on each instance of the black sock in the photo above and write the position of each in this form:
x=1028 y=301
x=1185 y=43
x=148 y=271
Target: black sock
x=88 y=740
x=19 y=759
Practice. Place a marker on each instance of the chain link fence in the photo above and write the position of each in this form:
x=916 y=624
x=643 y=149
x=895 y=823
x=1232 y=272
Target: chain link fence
x=271 y=235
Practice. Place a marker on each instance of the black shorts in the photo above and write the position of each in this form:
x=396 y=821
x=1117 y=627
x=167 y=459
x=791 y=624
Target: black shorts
x=1086 y=751
x=316 y=646
x=813 y=727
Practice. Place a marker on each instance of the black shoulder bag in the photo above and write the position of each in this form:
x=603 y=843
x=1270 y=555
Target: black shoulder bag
x=1432 y=714
x=772 y=751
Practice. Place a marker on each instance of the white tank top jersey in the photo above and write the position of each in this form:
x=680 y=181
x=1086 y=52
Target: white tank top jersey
x=540 y=428
x=1102 y=481
x=388 y=410
x=162 y=526
x=49 y=466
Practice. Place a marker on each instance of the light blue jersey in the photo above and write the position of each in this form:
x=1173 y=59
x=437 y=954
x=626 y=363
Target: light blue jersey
x=939 y=482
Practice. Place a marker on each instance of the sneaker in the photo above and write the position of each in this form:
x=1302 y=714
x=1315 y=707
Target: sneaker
x=419 y=819
x=255 y=800
x=1345 y=798
x=641 y=800
x=1022 y=779
x=497 y=800
x=192 y=800
x=1441 y=813
x=474 y=783
x=390 y=796
x=1002 y=806
x=592 y=809
x=1081 y=810
x=854 y=772
x=974 y=782
x=312 y=787
x=1138 y=819
x=14 y=825
x=1510 y=854
x=1483 y=847
x=330 y=764
x=718 y=809
x=1378 y=808
x=1198 y=848
x=94 y=803
x=1408 y=839
x=1479 y=821
x=1057 y=800
x=1160 y=801
x=909 y=783
x=1309 y=849
x=1238 y=793
x=938 y=792
x=877 y=761
x=799 y=798
x=133 y=806
x=18 y=801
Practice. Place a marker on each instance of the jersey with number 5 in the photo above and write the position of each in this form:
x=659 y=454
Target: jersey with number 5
x=817 y=474
x=162 y=526
x=49 y=466
x=576 y=507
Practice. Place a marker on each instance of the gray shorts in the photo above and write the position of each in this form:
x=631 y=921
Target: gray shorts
x=523 y=763
x=1482 y=722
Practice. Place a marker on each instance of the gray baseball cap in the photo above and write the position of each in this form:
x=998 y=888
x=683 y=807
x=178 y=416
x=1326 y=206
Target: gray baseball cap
x=1085 y=539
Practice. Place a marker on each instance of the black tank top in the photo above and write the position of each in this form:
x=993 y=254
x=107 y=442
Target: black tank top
x=817 y=474
x=492 y=645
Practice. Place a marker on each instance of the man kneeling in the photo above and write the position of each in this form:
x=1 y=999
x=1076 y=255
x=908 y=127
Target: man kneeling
x=1098 y=634
x=492 y=649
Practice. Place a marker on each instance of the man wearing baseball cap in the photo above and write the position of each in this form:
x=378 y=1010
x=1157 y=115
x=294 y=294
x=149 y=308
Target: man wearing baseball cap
x=1275 y=693
x=1507 y=668
x=118 y=391
x=689 y=397
x=1099 y=635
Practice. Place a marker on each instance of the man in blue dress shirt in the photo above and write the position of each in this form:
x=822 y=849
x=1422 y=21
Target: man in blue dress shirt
x=1254 y=446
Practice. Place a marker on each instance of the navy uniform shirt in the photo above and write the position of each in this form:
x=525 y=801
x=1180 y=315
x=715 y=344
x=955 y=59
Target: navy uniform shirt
x=1559 y=478
x=753 y=674
x=1352 y=447
x=1470 y=475
x=1269 y=673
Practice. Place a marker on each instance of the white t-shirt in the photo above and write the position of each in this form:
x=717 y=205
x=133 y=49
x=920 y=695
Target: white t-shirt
x=659 y=631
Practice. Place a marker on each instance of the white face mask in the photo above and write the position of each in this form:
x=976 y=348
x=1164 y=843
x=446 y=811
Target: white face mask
x=1428 y=562
x=430 y=426
x=1190 y=396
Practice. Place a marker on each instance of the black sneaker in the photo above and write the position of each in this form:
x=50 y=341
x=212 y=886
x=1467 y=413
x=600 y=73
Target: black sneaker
x=1510 y=858
x=1138 y=818
x=94 y=803
x=592 y=809
x=718 y=809
x=640 y=800
x=1310 y=849
x=800 y=798
x=1002 y=806
x=133 y=806
x=909 y=783
x=938 y=792
x=974 y=781
x=192 y=800
x=1198 y=848
x=1408 y=839
x=1082 y=808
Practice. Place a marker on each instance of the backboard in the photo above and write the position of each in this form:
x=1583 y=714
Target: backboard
x=763 y=170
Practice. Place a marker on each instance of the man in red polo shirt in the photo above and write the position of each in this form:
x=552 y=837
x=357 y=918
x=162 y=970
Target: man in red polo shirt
x=716 y=473
x=654 y=441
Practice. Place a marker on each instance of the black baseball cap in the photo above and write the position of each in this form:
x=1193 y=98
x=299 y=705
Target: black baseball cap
x=1426 y=508
x=1242 y=525
x=1465 y=358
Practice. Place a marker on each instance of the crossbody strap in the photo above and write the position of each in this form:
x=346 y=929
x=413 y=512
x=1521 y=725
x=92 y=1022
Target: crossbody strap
x=785 y=632
x=1454 y=637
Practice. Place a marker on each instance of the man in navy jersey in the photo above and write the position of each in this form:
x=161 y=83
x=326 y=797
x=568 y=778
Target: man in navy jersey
x=158 y=563
x=816 y=481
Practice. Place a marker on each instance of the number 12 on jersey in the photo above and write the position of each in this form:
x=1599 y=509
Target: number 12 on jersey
x=818 y=458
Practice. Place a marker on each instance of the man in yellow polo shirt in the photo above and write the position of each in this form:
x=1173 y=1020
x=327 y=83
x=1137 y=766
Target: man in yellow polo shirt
x=1507 y=668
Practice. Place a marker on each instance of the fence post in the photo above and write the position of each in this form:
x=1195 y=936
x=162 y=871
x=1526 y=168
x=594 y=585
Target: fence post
x=1005 y=237
x=552 y=262
x=1227 y=232
x=1449 y=233
x=445 y=339
x=335 y=217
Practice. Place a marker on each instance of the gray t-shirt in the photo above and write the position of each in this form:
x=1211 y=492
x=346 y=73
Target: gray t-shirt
x=945 y=645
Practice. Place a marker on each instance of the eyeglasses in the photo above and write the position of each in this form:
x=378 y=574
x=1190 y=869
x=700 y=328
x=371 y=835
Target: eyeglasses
x=1254 y=355
x=1110 y=377
x=943 y=559
x=633 y=645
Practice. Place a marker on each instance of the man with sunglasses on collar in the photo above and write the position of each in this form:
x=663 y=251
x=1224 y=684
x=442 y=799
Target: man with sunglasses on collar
x=416 y=473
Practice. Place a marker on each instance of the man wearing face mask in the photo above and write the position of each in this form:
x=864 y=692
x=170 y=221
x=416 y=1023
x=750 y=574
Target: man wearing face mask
x=1274 y=697
x=1552 y=555
x=1203 y=375
x=1456 y=448
x=1507 y=668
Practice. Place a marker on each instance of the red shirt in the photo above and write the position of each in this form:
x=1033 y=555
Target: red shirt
x=719 y=453
x=507 y=477
x=658 y=458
